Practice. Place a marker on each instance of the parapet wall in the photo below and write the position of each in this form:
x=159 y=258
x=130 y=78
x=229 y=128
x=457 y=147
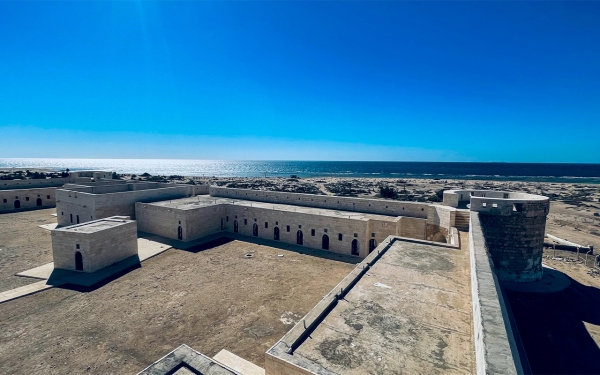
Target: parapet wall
x=372 y=206
x=495 y=348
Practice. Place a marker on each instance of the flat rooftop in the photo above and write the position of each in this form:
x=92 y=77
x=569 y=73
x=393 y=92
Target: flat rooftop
x=206 y=201
x=410 y=313
x=95 y=226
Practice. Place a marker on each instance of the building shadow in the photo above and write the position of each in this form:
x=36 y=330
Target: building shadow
x=552 y=328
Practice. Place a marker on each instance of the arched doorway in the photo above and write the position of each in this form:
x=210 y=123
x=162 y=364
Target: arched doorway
x=325 y=242
x=355 y=250
x=78 y=261
x=299 y=238
x=17 y=204
x=179 y=233
x=38 y=202
x=372 y=245
x=255 y=230
x=439 y=237
x=235 y=226
x=276 y=234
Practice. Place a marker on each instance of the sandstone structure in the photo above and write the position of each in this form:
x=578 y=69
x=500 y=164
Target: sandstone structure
x=413 y=274
x=94 y=245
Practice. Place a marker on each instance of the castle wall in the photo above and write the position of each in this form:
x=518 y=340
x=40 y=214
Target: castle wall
x=27 y=199
x=96 y=206
x=374 y=206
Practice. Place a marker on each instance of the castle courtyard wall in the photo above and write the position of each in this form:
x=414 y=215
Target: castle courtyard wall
x=28 y=198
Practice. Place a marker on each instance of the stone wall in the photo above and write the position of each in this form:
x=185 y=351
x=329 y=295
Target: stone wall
x=26 y=199
x=495 y=347
x=373 y=206
x=99 y=249
x=96 y=206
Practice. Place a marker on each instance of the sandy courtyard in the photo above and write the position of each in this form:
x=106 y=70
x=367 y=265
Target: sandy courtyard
x=212 y=299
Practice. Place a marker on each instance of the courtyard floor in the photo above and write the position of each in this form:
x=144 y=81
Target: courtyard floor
x=210 y=298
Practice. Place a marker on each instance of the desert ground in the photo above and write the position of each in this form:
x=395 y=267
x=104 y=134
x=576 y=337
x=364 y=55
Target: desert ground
x=210 y=298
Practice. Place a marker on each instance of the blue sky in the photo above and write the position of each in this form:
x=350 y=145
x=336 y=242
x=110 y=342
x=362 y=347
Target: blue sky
x=305 y=80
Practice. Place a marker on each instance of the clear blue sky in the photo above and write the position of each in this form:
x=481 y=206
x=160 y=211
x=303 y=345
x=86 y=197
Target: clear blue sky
x=394 y=80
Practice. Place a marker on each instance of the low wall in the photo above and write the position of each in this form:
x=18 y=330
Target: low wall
x=27 y=199
x=495 y=347
x=372 y=206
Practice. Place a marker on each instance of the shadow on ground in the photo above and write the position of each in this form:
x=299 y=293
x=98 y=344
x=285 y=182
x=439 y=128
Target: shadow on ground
x=552 y=330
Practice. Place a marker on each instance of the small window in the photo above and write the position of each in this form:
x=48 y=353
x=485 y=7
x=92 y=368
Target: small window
x=277 y=223
x=179 y=222
x=62 y=213
x=385 y=206
x=484 y=205
x=505 y=196
x=494 y=205
x=312 y=232
x=339 y=236
x=266 y=224
x=47 y=197
x=422 y=209
x=27 y=198
x=287 y=229
x=77 y=246
x=245 y=221
x=4 y=200
x=227 y=218
x=255 y=220
x=355 y=235
x=300 y=226
x=518 y=207
x=38 y=195
x=372 y=234
x=236 y=215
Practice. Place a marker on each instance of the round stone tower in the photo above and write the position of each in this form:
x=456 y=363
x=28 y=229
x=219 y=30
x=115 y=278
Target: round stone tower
x=513 y=225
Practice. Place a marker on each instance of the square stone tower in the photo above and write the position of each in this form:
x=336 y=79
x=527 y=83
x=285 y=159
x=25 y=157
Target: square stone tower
x=94 y=245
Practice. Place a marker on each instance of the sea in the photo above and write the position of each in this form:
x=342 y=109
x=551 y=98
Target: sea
x=542 y=172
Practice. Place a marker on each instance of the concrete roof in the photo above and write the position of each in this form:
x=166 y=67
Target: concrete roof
x=206 y=201
x=95 y=226
x=409 y=313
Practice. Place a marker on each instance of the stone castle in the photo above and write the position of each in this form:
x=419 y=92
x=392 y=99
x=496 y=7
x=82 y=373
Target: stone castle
x=99 y=220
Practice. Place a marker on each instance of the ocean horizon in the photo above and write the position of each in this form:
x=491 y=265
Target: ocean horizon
x=542 y=172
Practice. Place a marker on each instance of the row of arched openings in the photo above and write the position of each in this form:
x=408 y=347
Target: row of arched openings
x=17 y=203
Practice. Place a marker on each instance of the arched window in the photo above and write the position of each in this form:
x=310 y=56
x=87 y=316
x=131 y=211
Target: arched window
x=325 y=242
x=38 y=202
x=235 y=226
x=78 y=261
x=372 y=245
x=355 y=247
x=255 y=230
x=179 y=233
x=299 y=238
x=276 y=233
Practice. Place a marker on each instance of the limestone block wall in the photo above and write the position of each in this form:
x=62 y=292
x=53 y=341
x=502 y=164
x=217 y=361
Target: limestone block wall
x=411 y=227
x=98 y=249
x=203 y=222
x=374 y=206
x=26 y=199
x=495 y=347
x=96 y=206
x=514 y=233
x=30 y=183
x=267 y=220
